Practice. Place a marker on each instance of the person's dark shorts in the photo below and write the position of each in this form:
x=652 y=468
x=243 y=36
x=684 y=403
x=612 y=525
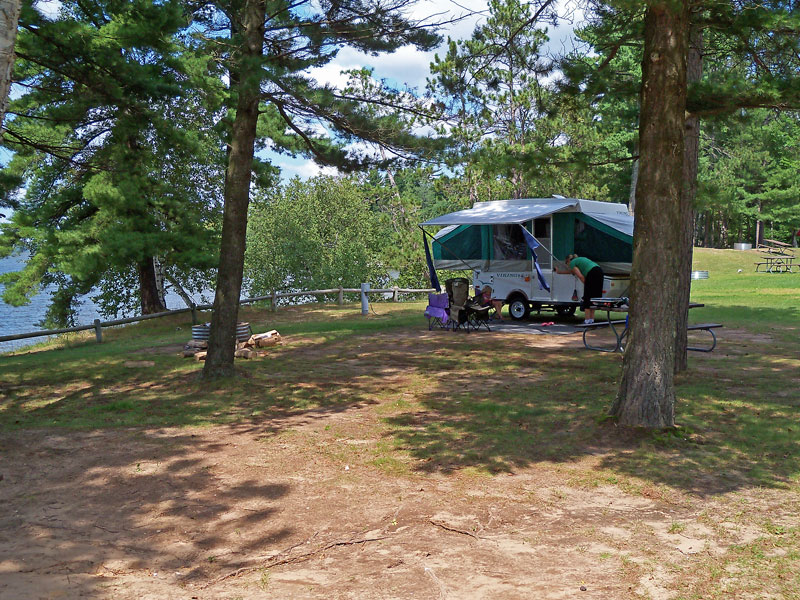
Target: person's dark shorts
x=592 y=287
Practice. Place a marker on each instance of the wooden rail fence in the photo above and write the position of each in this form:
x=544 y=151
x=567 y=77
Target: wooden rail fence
x=98 y=325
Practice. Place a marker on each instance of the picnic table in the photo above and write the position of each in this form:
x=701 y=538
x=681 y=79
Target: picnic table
x=776 y=263
x=619 y=327
x=775 y=247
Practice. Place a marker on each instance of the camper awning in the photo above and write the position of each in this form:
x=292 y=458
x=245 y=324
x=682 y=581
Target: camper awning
x=495 y=213
x=621 y=223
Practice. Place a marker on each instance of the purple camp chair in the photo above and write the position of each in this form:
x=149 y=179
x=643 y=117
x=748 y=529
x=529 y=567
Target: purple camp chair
x=436 y=311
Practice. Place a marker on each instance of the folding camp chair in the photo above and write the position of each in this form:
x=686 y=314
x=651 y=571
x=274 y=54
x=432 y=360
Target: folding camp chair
x=477 y=315
x=458 y=292
x=436 y=312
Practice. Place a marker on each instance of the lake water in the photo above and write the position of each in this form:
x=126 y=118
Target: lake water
x=23 y=319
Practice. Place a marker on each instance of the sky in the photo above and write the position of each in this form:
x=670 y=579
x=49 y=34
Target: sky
x=405 y=67
x=409 y=66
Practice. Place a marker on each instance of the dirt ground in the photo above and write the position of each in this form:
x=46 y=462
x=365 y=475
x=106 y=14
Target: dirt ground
x=285 y=510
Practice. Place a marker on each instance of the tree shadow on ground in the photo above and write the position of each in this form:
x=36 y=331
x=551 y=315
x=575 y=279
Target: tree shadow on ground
x=81 y=506
x=447 y=401
x=737 y=407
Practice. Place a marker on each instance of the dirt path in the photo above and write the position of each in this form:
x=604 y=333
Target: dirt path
x=309 y=506
x=244 y=512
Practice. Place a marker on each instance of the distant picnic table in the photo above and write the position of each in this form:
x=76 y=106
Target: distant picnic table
x=775 y=247
x=776 y=263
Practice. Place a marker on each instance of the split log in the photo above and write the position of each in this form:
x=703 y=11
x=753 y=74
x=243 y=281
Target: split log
x=245 y=353
x=200 y=356
x=264 y=340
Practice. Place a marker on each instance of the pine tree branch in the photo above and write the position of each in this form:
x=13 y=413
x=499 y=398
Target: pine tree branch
x=614 y=49
x=511 y=38
x=309 y=143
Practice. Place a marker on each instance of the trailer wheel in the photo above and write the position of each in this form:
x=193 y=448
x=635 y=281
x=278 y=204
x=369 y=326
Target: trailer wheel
x=518 y=308
x=566 y=310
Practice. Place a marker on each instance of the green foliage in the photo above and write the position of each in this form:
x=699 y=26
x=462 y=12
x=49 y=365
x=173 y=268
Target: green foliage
x=490 y=88
x=300 y=116
x=115 y=147
x=750 y=60
x=512 y=137
x=332 y=231
x=312 y=235
x=749 y=172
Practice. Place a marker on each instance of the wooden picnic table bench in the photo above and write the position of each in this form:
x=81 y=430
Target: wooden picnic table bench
x=619 y=327
x=709 y=327
x=619 y=347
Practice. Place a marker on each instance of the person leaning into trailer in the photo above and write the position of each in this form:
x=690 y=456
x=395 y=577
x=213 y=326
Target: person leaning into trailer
x=591 y=275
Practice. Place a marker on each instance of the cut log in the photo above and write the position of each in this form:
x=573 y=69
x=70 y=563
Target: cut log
x=265 y=342
x=199 y=344
x=245 y=353
x=268 y=334
x=200 y=356
x=189 y=352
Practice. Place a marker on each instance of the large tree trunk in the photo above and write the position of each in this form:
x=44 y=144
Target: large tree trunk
x=9 y=18
x=148 y=288
x=691 y=157
x=646 y=395
x=222 y=338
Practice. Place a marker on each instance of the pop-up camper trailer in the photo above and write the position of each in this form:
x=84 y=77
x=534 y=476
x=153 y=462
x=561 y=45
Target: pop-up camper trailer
x=489 y=240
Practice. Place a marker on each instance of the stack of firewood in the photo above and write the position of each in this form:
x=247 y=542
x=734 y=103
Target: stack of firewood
x=252 y=348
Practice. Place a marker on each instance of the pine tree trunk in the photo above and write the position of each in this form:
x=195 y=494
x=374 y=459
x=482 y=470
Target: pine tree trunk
x=148 y=289
x=646 y=396
x=759 y=228
x=9 y=18
x=694 y=73
x=222 y=337
x=634 y=181
x=176 y=285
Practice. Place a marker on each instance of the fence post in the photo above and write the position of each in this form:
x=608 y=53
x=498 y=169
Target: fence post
x=394 y=293
x=194 y=313
x=364 y=299
x=98 y=331
x=340 y=300
x=273 y=303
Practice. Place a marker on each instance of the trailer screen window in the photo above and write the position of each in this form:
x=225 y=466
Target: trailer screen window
x=599 y=246
x=508 y=243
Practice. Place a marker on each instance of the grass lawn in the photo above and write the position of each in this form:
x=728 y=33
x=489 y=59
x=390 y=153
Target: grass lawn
x=486 y=411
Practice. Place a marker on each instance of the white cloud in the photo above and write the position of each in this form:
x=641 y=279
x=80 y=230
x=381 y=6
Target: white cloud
x=407 y=65
x=304 y=169
x=49 y=9
x=411 y=67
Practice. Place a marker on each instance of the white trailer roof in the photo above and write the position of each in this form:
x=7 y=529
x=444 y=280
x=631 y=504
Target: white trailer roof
x=503 y=211
x=496 y=212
